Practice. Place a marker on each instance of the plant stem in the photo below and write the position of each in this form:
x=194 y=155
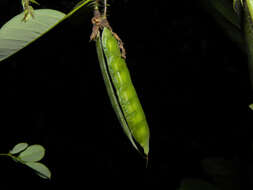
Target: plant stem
x=96 y=7
x=4 y=154
x=8 y=154
x=105 y=8
x=11 y=156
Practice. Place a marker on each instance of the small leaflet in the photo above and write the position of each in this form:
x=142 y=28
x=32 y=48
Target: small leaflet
x=18 y=148
x=40 y=168
x=33 y=153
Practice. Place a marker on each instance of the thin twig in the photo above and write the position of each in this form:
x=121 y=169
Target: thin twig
x=105 y=8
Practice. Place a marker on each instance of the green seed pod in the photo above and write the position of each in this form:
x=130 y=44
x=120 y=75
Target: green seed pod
x=132 y=114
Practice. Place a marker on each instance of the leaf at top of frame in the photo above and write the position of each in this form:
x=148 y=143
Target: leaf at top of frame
x=15 y=34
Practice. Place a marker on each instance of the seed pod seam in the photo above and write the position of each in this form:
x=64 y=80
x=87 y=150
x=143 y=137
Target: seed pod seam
x=136 y=122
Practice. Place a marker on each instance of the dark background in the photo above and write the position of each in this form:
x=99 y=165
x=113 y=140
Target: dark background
x=192 y=81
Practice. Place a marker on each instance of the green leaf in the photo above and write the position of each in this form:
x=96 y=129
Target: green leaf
x=15 y=34
x=35 y=2
x=18 y=148
x=40 y=169
x=251 y=106
x=196 y=184
x=32 y=154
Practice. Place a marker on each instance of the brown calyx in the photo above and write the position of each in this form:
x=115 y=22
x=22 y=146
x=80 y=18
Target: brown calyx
x=99 y=22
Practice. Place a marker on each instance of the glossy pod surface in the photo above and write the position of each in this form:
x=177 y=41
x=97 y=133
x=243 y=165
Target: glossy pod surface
x=125 y=90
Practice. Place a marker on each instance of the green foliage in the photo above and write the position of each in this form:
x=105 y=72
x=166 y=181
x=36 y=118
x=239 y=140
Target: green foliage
x=29 y=156
x=16 y=35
